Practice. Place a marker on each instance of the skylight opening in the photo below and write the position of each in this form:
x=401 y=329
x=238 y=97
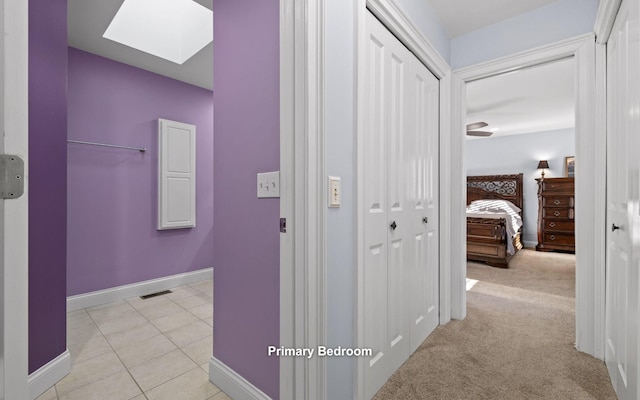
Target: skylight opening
x=174 y=30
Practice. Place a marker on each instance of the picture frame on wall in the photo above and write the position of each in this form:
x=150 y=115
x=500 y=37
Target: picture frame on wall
x=569 y=166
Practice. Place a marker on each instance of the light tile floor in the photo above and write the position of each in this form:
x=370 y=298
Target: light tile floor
x=154 y=349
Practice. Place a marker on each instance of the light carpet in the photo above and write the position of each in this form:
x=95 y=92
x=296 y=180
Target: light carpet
x=517 y=341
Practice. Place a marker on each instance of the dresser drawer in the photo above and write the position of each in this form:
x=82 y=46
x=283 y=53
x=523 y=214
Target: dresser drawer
x=553 y=201
x=564 y=239
x=550 y=212
x=558 y=225
x=561 y=185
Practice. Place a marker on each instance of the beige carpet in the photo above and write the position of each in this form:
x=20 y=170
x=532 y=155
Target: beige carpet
x=517 y=341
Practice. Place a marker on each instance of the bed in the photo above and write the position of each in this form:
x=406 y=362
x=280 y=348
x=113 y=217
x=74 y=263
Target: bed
x=494 y=218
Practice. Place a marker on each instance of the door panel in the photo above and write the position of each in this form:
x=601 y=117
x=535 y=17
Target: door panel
x=376 y=210
x=623 y=119
x=422 y=167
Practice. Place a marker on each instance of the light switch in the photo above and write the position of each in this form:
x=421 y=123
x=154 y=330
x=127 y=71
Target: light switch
x=269 y=184
x=335 y=192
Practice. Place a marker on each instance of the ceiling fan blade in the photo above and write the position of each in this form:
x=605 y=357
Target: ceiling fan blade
x=479 y=133
x=476 y=125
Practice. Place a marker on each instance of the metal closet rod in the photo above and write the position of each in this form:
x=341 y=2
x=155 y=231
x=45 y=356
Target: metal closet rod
x=140 y=149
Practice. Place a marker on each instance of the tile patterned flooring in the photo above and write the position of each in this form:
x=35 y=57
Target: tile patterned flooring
x=154 y=349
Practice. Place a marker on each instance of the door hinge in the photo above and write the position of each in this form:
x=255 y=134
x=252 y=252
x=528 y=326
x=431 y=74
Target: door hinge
x=283 y=225
x=11 y=176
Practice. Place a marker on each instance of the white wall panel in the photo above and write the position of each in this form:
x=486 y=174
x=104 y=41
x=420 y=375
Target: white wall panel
x=176 y=175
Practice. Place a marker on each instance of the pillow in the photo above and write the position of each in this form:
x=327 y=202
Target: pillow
x=494 y=205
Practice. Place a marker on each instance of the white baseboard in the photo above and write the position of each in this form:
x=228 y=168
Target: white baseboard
x=118 y=293
x=49 y=374
x=234 y=385
x=529 y=244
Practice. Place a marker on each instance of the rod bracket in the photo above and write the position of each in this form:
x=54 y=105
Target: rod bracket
x=11 y=176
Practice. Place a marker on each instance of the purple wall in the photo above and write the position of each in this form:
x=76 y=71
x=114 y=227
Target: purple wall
x=112 y=193
x=47 y=180
x=247 y=140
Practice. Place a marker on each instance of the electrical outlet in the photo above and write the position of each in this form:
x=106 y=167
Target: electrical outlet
x=269 y=184
x=335 y=192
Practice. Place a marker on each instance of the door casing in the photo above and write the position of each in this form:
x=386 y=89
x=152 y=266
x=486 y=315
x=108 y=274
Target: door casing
x=14 y=260
x=590 y=177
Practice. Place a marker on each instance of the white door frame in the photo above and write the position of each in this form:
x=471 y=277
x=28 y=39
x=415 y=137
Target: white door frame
x=395 y=20
x=302 y=195
x=15 y=238
x=590 y=177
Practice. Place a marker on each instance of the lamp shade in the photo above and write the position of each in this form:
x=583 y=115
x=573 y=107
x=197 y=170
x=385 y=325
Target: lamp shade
x=543 y=164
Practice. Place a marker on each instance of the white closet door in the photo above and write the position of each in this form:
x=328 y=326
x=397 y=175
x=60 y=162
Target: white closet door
x=176 y=175
x=400 y=188
x=423 y=121
x=385 y=204
x=623 y=201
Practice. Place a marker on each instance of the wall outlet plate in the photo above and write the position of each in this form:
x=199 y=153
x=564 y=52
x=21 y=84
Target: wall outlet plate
x=269 y=185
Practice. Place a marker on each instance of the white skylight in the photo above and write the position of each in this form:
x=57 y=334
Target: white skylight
x=171 y=29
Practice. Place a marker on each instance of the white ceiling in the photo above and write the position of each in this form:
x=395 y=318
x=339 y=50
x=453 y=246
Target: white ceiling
x=535 y=99
x=463 y=16
x=87 y=21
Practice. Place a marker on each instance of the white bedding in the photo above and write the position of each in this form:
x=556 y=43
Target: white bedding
x=498 y=209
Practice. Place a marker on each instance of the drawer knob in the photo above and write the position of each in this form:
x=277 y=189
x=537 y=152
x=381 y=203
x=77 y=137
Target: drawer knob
x=552 y=225
x=552 y=237
x=557 y=213
x=556 y=202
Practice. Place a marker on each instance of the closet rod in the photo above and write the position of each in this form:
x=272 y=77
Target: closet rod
x=140 y=149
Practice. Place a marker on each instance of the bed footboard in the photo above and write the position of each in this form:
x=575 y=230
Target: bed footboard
x=486 y=241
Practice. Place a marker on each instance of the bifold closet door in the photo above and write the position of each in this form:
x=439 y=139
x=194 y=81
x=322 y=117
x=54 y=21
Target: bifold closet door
x=400 y=223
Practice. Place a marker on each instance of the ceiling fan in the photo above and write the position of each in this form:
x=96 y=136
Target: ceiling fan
x=471 y=129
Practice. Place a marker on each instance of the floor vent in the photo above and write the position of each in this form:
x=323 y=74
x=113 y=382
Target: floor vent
x=148 y=296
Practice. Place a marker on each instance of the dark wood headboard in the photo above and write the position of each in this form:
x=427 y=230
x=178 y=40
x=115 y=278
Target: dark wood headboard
x=499 y=187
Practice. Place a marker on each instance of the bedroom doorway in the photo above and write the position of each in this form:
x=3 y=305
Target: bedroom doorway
x=518 y=122
x=589 y=221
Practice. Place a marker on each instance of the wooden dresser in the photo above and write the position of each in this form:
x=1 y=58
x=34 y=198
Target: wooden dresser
x=556 y=215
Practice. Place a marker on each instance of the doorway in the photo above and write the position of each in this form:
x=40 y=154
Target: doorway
x=589 y=219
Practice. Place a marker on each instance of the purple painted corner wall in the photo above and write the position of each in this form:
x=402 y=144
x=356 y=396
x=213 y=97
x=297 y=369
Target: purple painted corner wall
x=47 y=180
x=112 y=193
x=246 y=236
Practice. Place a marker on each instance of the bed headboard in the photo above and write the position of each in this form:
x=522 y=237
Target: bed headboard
x=502 y=187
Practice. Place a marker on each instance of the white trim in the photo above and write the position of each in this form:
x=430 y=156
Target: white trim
x=49 y=374
x=361 y=82
x=526 y=58
x=445 y=200
x=15 y=257
x=302 y=196
x=600 y=220
x=529 y=244
x=607 y=11
x=590 y=227
x=118 y=293
x=453 y=152
x=232 y=383
x=395 y=20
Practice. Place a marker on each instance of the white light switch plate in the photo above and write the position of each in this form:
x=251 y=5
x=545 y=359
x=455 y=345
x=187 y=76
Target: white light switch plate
x=269 y=184
x=335 y=192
